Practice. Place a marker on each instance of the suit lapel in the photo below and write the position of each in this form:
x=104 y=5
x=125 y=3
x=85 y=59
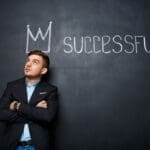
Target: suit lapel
x=36 y=94
x=24 y=94
x=22 y=91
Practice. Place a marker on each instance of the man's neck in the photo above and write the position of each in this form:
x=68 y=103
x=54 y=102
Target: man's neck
x=32 y=80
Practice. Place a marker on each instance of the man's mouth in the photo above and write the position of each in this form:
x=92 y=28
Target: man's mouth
x=27 y=69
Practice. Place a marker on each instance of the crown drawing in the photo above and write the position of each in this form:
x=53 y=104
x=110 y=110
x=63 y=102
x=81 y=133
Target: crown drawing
x=38 y=35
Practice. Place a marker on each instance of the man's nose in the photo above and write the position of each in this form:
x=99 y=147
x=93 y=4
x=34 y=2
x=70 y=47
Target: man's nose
x=28 y=64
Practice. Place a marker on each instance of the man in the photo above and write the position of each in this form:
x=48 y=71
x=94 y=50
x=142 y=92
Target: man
x=28 y=107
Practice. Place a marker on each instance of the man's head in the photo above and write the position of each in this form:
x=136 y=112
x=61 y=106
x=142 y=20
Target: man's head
x=37 y=65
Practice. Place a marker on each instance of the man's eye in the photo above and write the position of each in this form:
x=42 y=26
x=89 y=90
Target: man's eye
x=35 y=62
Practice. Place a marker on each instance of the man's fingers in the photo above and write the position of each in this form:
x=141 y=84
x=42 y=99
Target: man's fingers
x=43 y=101
x=11 y=106
x=42 y=104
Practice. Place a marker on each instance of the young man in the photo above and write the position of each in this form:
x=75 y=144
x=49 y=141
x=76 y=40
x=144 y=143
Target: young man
x=28 y=107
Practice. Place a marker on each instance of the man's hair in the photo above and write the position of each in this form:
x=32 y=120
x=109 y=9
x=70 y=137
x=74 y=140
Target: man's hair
x=43 y=55
x=46 y=61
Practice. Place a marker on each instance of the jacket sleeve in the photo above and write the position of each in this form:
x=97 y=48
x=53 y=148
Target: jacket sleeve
x=33 y=113
x=6 y=114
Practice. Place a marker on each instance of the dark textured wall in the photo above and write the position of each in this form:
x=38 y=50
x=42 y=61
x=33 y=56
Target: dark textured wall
x=103 y=92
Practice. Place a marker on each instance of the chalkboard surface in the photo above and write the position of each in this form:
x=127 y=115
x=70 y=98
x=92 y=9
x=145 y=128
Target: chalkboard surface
x=100 y=61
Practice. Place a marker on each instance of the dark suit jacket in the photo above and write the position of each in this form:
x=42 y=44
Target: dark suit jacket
x=39 y=119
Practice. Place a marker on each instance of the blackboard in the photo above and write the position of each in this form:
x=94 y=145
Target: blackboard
x=100 y=61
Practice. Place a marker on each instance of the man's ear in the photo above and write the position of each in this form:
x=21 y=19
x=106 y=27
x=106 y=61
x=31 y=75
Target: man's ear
x=44 y=71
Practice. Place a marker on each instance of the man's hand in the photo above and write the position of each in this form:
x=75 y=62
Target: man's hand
x=42 y=104
x=14 y=105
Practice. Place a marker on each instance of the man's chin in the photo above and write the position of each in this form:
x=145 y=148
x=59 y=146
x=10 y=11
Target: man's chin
x=29 y=76
x=32 y=77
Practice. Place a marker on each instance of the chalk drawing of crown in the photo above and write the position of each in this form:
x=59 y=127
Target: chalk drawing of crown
x=41 y=35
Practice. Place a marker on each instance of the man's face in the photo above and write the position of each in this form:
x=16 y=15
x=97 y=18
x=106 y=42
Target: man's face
x=34 y=67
